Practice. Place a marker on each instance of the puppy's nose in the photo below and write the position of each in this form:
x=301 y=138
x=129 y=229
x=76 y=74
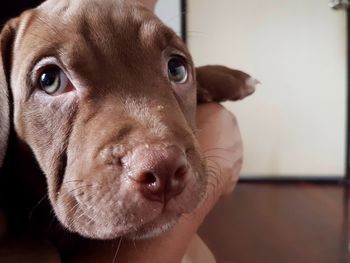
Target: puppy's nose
x=158 y=172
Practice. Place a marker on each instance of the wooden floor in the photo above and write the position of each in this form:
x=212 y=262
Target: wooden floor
x=280 y=223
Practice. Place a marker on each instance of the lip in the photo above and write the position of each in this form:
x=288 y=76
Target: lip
x=162 y=224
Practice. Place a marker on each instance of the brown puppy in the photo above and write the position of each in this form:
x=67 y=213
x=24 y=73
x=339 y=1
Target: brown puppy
x=103 y=97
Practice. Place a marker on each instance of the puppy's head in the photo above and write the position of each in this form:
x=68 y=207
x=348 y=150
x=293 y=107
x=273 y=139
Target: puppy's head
x=104 y=95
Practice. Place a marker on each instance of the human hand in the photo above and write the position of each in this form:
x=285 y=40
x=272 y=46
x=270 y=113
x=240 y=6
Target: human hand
x=221 y=143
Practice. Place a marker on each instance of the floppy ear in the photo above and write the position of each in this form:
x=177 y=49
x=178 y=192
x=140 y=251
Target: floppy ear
x=219 y=83
x=6 y=42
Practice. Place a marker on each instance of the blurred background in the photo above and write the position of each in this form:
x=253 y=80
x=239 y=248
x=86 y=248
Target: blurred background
x=295 y=123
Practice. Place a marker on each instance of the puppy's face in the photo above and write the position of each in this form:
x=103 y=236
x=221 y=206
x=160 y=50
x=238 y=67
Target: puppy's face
x=105 y=96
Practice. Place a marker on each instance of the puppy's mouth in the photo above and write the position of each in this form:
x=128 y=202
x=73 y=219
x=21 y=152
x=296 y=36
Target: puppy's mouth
x=110 y=211
x=110 y=225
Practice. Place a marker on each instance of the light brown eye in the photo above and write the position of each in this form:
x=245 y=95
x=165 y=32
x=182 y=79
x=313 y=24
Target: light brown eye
x=53 y=81
x=177 y=70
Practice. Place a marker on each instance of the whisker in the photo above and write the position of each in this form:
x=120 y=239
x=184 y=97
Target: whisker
x=215 y=162
x=35 y=206
x=72 y=181
x=211 y=167
x=72 y=208
x=80 y=187
x=217 y=149
x=170 y=19
x=210 y=158
x=117 y=251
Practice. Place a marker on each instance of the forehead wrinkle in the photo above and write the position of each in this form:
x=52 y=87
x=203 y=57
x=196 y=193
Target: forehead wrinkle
x=153 y=33
x=26 y=20
x=91 y=43
x=62 y=9
x=41 y=33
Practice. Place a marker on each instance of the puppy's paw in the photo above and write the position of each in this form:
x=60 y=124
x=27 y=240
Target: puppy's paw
x=219 y=83
x=250 y=86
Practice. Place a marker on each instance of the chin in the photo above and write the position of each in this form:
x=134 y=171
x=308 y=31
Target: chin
x=153 y=231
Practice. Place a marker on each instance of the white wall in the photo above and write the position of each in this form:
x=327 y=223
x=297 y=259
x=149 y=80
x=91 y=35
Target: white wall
x=169 y=11
x=295 y=123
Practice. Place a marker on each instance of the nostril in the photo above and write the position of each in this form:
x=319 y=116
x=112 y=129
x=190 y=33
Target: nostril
x=151 y=185
x=181 y=173
x=148 y=178
x=177 y=182
x=120 y=162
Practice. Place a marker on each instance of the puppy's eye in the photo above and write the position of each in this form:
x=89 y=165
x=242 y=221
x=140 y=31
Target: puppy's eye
x=53 y=81
x=177 y=70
